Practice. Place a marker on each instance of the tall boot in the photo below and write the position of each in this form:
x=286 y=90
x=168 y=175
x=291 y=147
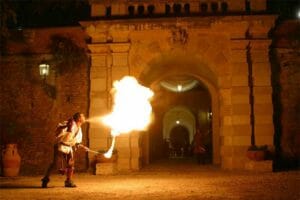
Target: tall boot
x=68 y=181
x=45 y=181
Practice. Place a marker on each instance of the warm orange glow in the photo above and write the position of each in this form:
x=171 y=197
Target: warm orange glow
x=132 y=109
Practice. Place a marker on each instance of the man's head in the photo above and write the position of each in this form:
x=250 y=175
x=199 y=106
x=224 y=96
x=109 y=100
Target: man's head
x=79 y=117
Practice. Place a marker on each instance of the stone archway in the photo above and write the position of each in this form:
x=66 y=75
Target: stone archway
x=179 y=116
x=179 y=63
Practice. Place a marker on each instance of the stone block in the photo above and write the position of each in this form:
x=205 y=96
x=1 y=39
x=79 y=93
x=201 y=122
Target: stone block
x=136 y=152
x=241 y=109
x=242 y=130
x=240 y=99
x=241 y=140
x=98 y=84
x=240 y=119
x=264 y=130
x=260 y=109
x=119 y=72
x=134 y=142
x=98 y=102
x=264 y=139
x=259 y=56
x=258 y=5
x=238 y=162
x=239 y=69
x=242 y=90
x=226 y=110
x=136 y=163
x=235 y=5
x=124 y=152
x=120 y=59
x=241 y=80
x=98 y=60
x=99 y=49
x=225 y=96
x=259 y=166
x=98 y=144
x=98 y=72
x=97 y=10
x=124 y=164
x=262 y=80
x=226 y=162
x=238 y=56
x=226 y=151
x=122 y=142
x=226 y=120
x=262 y=90
x=226 y=130
x=224 y=81
x=99 y=132
x=264 y=119
x=259 y=69
x=239 y=45
x=98 y=111
x=106 y=169
x=263 y=99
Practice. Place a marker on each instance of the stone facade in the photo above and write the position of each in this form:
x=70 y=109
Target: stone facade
x=228 y=54
x=36 y=105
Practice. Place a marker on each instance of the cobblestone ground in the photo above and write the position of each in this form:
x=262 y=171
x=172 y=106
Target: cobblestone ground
x=171 y=180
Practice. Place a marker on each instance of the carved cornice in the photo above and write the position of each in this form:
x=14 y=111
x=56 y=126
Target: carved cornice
x=236 y=26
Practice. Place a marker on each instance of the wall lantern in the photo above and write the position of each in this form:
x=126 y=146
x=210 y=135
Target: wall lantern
x=44 y=69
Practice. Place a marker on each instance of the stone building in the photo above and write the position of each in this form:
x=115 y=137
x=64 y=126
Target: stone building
x=207 y=62
x=215 y=44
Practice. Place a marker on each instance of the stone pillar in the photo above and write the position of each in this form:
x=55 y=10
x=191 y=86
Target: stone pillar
x=99 y=94
x=235 y=110
x=262 y=92
x=120 y=68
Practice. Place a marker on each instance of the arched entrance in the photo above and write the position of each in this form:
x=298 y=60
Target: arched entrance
x=197 y=107
x=179 y=142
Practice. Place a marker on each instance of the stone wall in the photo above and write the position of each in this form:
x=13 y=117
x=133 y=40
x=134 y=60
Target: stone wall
x=286 y=80
x=36 y=105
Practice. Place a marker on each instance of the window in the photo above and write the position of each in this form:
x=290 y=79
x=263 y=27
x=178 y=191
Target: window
x=177 y=8
x=167 y=9
x=247 y=6
x=203 y=7
x=151 y=9
x=187 y=8
x=214 y=6
x=108 y=11
x=141 y=10
x=131 y=10
x=224 y=7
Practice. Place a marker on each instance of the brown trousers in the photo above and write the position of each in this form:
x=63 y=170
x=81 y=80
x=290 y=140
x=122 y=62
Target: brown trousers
x=67 y=158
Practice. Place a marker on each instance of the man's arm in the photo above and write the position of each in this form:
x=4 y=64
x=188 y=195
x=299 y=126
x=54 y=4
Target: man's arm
x=82 y=146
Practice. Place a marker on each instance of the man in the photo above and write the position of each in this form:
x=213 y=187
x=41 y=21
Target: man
x=67 y=140
x=198 y=146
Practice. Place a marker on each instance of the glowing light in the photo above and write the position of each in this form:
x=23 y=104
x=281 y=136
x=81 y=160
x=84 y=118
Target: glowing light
x=179 y=87
x=298 y=14
x=177 y=122
x=132 y=109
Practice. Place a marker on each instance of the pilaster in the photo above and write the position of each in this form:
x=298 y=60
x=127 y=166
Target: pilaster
x=262 y=92
x=235 y=110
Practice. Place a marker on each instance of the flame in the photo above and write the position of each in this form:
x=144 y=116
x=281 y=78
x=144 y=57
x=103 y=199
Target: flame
x=132 y=109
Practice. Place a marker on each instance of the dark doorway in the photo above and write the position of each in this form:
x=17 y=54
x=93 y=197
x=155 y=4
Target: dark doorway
x=179 y=142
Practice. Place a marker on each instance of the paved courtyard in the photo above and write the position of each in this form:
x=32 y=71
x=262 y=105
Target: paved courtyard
x=169 y=180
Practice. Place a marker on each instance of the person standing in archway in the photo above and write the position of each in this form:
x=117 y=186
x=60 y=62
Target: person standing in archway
x=198 y=147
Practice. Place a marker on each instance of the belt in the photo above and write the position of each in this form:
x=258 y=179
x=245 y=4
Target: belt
x=65 y=144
